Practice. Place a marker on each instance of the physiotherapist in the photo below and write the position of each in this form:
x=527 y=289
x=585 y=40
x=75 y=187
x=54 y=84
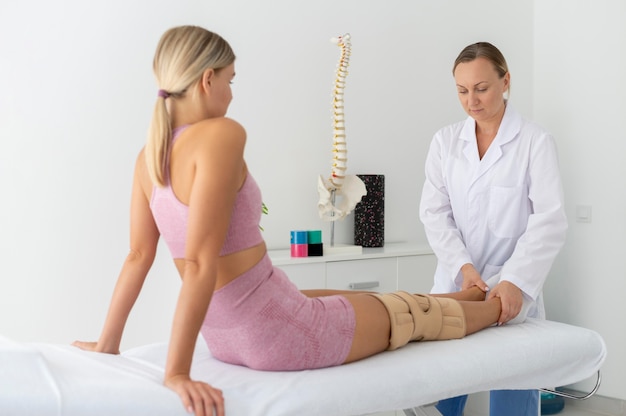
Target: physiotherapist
x=492 y=206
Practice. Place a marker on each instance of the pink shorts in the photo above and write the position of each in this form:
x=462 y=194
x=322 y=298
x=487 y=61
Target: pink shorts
x=262 y=321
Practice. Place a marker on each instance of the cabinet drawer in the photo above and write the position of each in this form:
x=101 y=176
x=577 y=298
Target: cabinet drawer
x=306 y=276
x=376 y=275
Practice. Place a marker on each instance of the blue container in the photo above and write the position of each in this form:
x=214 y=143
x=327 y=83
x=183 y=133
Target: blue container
x=551 y=404
x=299 y=237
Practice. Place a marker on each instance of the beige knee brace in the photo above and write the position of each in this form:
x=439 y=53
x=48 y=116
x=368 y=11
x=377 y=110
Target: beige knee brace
x=422 y=318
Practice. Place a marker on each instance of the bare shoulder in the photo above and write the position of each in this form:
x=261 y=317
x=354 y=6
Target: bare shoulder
x=140 y=163
x=217 y=143
x=216 y=131
x=141 y=159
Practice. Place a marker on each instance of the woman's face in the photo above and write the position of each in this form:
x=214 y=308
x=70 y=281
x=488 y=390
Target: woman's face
x=481 y=90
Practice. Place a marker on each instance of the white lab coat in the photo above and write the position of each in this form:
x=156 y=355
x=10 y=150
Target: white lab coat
x=504 y=213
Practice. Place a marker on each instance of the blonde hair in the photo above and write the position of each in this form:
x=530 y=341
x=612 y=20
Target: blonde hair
x=182 y=56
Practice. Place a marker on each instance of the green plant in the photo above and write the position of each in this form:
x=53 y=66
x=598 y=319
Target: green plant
x=264 y=210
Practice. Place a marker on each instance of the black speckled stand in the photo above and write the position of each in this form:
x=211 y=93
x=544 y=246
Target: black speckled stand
x=369 y=214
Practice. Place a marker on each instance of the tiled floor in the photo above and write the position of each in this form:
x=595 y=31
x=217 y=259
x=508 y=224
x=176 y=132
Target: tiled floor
x=594 y=406
x=576 y=411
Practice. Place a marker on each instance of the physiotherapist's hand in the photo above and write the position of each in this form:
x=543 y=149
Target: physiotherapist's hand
x=511 y=299
x=472 y=278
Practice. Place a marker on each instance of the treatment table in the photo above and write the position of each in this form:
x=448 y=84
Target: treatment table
x=61 y=380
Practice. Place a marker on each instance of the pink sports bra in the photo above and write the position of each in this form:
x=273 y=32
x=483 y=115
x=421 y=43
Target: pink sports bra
x=171 y=217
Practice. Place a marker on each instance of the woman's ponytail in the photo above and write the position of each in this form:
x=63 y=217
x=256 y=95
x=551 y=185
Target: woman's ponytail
x=182 y=55
x=158 y=143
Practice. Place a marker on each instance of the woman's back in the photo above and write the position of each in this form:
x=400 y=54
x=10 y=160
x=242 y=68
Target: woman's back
x=243 y=245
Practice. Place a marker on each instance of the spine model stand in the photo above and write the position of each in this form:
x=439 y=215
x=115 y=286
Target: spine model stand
x=340 y=193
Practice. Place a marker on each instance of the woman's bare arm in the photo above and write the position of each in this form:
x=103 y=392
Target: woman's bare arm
x=219 y=170
x=144 y=236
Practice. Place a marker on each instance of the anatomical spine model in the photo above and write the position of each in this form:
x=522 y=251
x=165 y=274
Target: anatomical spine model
x=340 y=193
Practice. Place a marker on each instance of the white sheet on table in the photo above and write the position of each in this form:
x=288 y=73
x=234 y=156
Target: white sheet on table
x=62 y=380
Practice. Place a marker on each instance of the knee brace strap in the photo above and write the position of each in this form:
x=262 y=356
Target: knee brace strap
x=422 y=318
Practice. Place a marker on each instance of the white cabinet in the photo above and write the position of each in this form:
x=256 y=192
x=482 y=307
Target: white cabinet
x=403 y=266
x=376 y=275
x=396 y=266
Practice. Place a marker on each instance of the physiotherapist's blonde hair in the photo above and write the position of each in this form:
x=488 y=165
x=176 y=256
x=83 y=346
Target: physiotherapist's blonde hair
x=182 y=56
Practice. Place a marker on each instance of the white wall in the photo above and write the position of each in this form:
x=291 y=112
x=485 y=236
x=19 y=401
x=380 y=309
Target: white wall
x=76 y=94
x=580 y=85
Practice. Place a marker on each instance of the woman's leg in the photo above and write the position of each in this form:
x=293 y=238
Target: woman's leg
x=474 y=293
x=471 y=294
x=373 y=326
x=481 y=315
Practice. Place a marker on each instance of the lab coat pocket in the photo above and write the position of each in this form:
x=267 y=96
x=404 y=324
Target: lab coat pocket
x=505 y=206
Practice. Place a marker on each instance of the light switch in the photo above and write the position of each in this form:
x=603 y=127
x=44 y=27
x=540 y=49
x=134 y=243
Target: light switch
x=583 y=213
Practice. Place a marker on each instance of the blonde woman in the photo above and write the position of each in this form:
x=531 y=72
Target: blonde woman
x=192 y=187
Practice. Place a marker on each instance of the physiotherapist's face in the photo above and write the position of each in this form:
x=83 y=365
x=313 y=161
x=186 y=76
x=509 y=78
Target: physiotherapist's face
x=481 y=90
